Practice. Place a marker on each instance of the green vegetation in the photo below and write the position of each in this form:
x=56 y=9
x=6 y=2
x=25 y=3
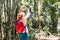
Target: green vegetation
x=44 y=17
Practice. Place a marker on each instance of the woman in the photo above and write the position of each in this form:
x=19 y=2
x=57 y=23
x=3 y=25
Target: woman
x=21 y=23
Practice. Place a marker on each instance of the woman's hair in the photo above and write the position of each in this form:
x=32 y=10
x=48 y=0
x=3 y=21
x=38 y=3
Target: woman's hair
x=19 y=16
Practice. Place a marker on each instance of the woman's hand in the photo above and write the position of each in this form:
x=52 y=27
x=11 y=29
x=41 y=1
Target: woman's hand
x=24 y=8
x=17 y=32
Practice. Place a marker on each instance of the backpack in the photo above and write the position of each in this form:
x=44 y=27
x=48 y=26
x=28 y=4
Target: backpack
x=19 y=26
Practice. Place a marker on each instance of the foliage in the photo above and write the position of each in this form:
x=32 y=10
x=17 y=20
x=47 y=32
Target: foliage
x=46 y=22
x=49 y=18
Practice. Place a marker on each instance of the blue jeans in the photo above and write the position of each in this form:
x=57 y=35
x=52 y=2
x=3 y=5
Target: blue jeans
x=23 y=36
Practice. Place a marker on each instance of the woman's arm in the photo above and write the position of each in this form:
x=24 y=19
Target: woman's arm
x=27 y=15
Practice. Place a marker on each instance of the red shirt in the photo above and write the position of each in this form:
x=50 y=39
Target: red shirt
x=19 y=26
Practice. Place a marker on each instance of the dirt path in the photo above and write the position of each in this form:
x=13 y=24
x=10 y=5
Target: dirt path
x=51 y=37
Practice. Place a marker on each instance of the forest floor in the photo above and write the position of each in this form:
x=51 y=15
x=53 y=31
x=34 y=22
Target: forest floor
x=51 y=37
